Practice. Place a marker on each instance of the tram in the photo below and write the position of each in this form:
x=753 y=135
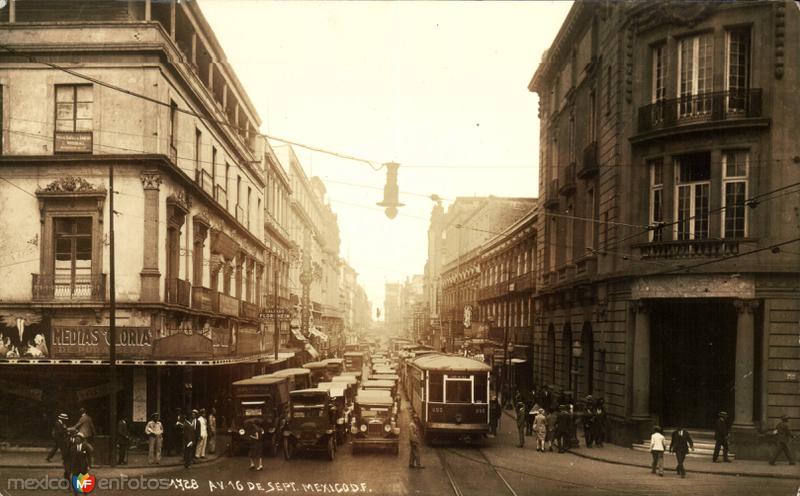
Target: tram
x=449 y=394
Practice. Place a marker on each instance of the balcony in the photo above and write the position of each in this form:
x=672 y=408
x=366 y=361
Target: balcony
x=568 y=184
x=240 y=215
x=201 y=299
x=47 y=287
x=705 y=107
x=221 y=195
x=589 y=166
x=224 y=304
x=694 y=248
x=248 y=310
x=551 y=195
x=205 y=181
x=178 y=292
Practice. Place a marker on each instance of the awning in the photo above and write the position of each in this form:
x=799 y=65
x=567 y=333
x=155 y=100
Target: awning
x=312 y=351
x=298 y=335
x=316 y=332
x=137 y=362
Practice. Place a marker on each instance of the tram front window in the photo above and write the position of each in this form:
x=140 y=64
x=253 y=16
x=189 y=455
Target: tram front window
x=458 y=391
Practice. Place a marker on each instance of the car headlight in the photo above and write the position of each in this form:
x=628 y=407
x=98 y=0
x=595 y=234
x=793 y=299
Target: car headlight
x=241 y=432
x=387 y=428
x=354 y=429
x=363 y=427
x=340 y=421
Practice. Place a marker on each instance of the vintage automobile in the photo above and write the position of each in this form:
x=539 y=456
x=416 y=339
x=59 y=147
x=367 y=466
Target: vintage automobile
x=319 y=372
x=351 y=384
x=354 y=362
x=335 y=366
x=374 y=421
x=338 y=392
x=381 y=384
x=311 y=424
x=264 y=398
x=299 y=378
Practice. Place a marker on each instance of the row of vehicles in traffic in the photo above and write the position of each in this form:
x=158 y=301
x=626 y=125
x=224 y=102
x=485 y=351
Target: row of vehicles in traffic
x=319 y=406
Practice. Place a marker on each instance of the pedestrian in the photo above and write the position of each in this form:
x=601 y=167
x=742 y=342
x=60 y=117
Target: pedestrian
x=80 y=459
x=783 y=435
x=85 y=425
x=522 y=420
x=550 y=437
x=494 y=415
x=657 y=442
x=123 y=441
x=59 y=435
x=599 y=424
x=414 y=460
x=531 y=413
x=189 y=432
x=588 y=421
x=200 y=452
x=155 y=433
x=540 y=427
x=563 y=429
x=212 y=431
x=66 y=456
x=680 y=445
x=721 y=432
x=255 y=438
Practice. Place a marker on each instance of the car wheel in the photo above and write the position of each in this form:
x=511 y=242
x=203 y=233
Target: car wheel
x=331 y=448
x=288 y=449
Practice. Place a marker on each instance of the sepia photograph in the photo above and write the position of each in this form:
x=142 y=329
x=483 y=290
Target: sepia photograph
x=400 y=248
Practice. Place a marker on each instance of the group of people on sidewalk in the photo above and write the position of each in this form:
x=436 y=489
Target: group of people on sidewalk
x=199 y=434
x=74 y=444
x=554 y=422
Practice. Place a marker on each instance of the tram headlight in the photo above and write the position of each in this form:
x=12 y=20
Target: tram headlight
x=363 y=427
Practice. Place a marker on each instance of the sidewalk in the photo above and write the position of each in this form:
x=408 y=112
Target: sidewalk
x=137 y=459
x=611 y=453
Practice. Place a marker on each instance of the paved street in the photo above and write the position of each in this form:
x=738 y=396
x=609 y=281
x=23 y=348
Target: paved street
x=495 y=468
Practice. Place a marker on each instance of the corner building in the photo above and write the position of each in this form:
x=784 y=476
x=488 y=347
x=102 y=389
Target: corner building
x=189 y=187
x=668 y=179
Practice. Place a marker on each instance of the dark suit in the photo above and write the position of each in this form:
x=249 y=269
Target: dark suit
x=80 y=455
x=680 y=445
x=191 y=432
x=783 y=435
x=59 y=434
x=123 y=442
x=721 y=430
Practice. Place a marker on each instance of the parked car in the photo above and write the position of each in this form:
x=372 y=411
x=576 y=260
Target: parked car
x=374 y=421
x=299 y=378
x=311 y=424
x=335 y=366
x=264 y=398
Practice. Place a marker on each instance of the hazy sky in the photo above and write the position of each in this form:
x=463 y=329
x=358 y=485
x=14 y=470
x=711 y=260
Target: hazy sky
x=440 y=87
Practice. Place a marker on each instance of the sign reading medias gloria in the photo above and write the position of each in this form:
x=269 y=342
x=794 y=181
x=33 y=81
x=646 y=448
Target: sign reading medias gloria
x=93 y=342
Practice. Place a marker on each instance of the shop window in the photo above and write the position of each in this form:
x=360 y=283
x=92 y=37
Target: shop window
x=436 y=388
x=458 y=390
x=692 y=188
x=72 y=271
x=480 y=389
x=735 y=166
x=656 y=170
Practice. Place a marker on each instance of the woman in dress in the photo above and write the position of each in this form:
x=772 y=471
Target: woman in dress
x=255 y=436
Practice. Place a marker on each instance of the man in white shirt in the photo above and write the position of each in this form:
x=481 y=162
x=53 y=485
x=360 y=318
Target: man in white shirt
x=657 y=447
x=155 y=434
x=201 y=443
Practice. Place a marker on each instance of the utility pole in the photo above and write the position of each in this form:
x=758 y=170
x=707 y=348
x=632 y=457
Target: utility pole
x=112 y=325
x=276 y=338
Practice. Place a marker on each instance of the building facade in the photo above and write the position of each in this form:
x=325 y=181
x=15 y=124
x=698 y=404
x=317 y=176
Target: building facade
x=154 y=98
x=667 y=277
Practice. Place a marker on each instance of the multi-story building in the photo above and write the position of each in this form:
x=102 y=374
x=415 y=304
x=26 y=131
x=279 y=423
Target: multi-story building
x=150 y=94
x=393 y=314
x=668 y=278
x=413 y=298
x=466 y=226
x=362 y=311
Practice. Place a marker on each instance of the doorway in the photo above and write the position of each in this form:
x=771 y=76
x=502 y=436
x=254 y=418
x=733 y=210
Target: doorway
x=693 y=353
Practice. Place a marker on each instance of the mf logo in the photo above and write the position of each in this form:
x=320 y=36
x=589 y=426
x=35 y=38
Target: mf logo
x=83 y=483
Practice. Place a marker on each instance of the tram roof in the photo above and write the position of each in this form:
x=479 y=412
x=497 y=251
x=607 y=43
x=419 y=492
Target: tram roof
x=438 y=361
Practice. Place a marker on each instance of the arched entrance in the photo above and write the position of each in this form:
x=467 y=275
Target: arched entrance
x=551 y=354
x=566 y=357
x=587 y=360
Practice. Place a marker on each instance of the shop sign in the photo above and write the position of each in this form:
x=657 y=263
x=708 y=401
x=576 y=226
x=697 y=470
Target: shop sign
x=95 y=392
x=21 y=391
x=139 y=395
x=694 y=286
x=93 y=342
x=73 y=142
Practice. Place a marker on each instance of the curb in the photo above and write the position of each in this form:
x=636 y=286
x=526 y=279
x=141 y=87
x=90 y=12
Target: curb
x=708 y=472
x=118 y=467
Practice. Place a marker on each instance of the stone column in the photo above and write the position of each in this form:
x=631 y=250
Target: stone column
x=745 y=362
x=641 y=362
x=150 y=275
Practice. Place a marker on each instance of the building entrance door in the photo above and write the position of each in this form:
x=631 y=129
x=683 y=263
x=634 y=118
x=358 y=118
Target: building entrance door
x=692 y=360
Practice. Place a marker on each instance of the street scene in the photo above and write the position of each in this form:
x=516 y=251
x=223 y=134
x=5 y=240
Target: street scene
x=399 y=248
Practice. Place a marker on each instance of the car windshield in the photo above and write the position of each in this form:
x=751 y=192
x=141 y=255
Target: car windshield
x=307 y=411
x=374 y=411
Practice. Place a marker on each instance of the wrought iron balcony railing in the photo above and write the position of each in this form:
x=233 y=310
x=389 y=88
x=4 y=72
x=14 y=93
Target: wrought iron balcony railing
x=694 y=248
x=49 y=287
x=703 y=107
x=568 y=181
x=551 y=195
x=178 y=292
x=590 y=165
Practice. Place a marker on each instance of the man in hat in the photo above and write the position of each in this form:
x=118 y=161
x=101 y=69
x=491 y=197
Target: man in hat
x=599 y=423
x=190 y=431
x=155 y=432
x=540 y=428
x=721 y=432
x=522 y=420
x=59 y=435
x=680 y=445
x=494 y=415
x=588 y=421
x=200 y=452
x=783 y=435
x=413 y=441
x=80 y=457
x=85 y=425
x=563 y=421
x=123 y=441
